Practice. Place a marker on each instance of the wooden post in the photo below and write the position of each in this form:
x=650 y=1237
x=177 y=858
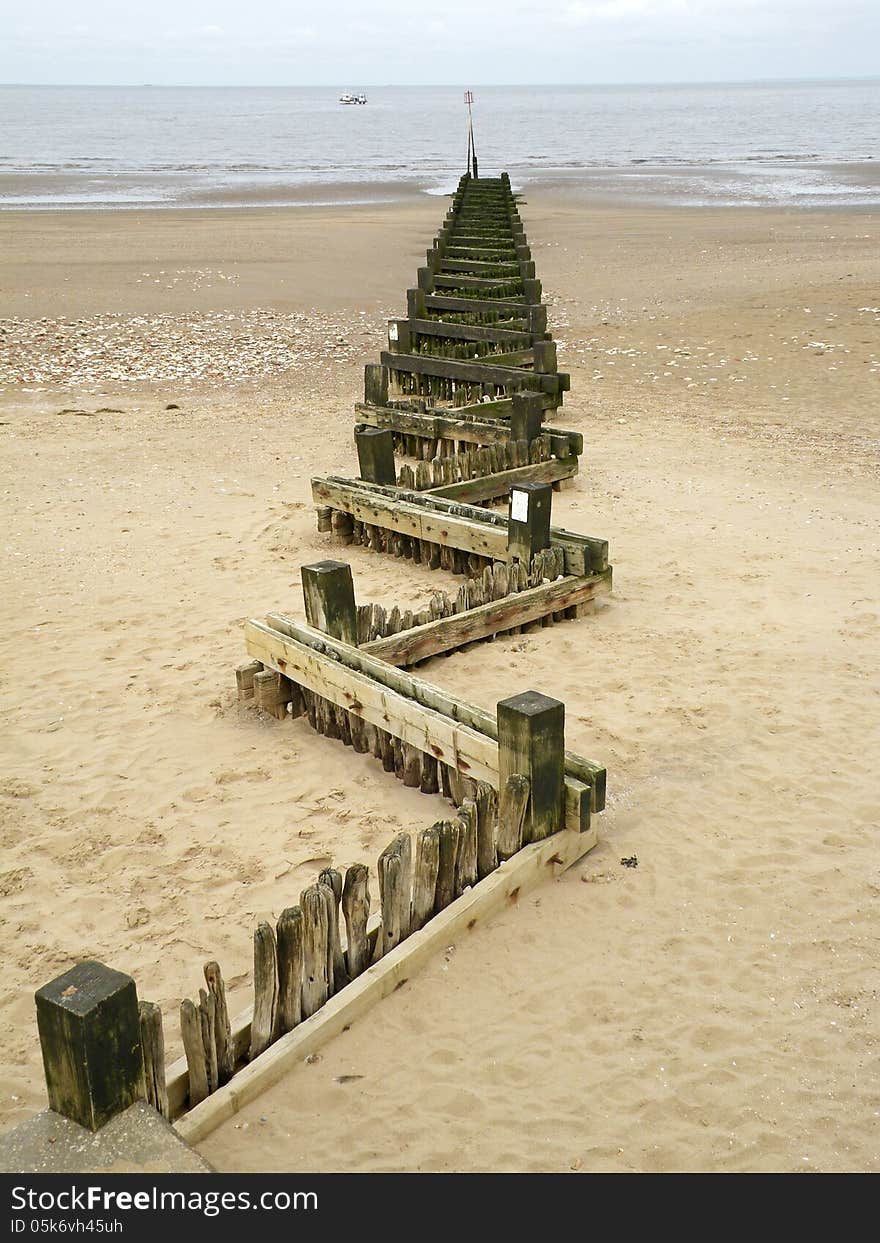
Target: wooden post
x=222 y=1026
x=512 y=804
x=425 y=876
x=316 y=935
x=486 y=801
x=399 y=336
x=531 y=741
x=375 y=384
x=528 y=529
x=545 y=356
x=526 y=415
x=289 y=936
x=395 y=892
x=328 y=592
x=331 y=878
x=263 y=1024
x=91 y=1042
x=375 y=450
x=466 y=863
x=448 y=831
x=207 y=1018
x=356 y=909
x=153 y=1045
x=194 y=1048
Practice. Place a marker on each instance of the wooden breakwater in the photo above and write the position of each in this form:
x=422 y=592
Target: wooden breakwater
x=474 y=338
x=463 y=391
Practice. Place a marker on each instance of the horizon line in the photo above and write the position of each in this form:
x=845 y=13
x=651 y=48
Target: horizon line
x=434 y=85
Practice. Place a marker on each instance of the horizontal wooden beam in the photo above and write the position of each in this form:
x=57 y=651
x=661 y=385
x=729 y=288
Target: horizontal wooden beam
x=431 y=732
x=447 y=633
x=409 y=518
x=456 y=425
x=453 y=523
x=473 y=372
x=513 y=308
x=431 y=696
x=469 y=332
x=529 y=867
x=455 y=280
x=477 y=267
x=473 y=491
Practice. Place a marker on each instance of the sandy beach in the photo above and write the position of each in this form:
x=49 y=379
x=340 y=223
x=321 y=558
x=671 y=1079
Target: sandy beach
x=169 y=382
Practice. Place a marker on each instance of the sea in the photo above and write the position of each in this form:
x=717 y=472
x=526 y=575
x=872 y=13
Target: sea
x=788 y=144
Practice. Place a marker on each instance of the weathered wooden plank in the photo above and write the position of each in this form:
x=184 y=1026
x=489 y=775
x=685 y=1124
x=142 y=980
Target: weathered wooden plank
x=512 y=308
x=408 y=647
x=472 y=491
x=458 y=424
x=468 y=332
x=410 y=519
x=472 y=372
x=457 y=745
x=530 y=867
x=450 y=523
x=576 y=767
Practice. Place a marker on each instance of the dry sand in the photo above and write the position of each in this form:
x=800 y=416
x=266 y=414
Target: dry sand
x=714 y=1008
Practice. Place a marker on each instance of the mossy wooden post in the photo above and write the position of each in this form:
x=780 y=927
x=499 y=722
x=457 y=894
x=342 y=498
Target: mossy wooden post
x=545 y=356
x=375 y=450
x=528 y=529
x=531 y=741
x=375 y=384
x=526 y=416
x=328 y=592
x=91 y=1042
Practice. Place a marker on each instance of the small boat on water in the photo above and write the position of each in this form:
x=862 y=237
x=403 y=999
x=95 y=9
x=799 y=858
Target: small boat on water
x=352 y=99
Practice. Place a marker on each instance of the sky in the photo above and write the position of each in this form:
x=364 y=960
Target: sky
x=471 y=42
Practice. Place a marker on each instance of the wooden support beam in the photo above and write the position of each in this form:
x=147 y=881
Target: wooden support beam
x=461 y=332
x=473 y=491
x=386 y=675
x=408 y=647
x=449 y=523
x=474 y=425
x=456 y=745
x=508 y=883
x=472 y=372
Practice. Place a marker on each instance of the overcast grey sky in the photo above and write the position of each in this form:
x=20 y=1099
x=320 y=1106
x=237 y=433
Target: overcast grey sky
x=369 y=42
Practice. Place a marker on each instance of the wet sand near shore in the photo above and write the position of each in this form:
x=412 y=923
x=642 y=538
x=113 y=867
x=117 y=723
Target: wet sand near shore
x=713 y=1008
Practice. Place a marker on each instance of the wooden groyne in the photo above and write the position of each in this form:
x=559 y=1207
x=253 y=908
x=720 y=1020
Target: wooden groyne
x=475 y=335
x=462 y=393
